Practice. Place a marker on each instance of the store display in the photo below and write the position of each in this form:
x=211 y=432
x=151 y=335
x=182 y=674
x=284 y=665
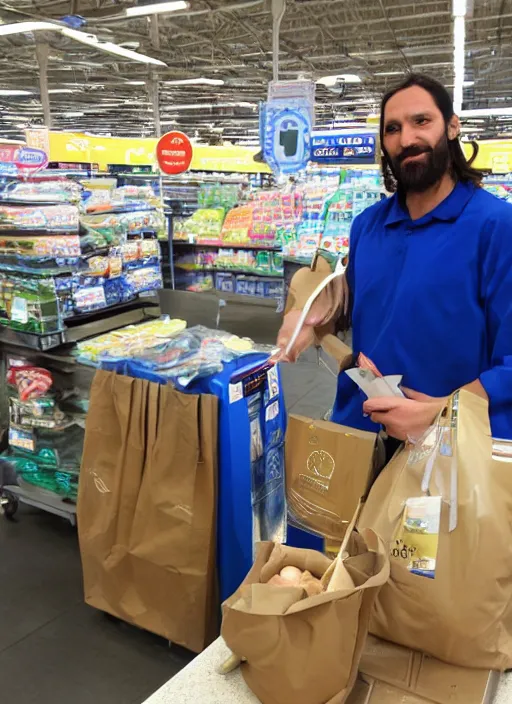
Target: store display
x=45 y=431
x=111 y=257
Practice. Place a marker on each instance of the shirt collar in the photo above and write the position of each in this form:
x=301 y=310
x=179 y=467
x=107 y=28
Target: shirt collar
x=448 y=210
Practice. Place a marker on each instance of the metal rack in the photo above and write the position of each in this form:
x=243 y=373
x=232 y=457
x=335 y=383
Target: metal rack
x=54 y=351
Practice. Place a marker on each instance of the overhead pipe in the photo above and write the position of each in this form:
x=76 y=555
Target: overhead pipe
x=278 y=10
x=42 y=53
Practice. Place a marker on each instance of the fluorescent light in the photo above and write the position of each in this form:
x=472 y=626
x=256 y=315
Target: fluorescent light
x=64 y=90
x=486 y=112
x=156 y=8
x=109 y=47
x=22 y=27
x=468 y=84
x=339 y=79
x=134 y=83
x=389 y=73
x=82 y=37
x=14 y=91
x=206 y=106
x=196 y=82
x=72 y=114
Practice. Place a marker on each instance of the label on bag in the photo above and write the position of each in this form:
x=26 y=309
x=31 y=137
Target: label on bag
x=236 y=392
x=23 y=439
x=417 y=539
x=19 y=310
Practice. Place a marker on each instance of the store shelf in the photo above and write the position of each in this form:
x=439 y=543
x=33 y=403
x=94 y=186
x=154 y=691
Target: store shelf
x=83 y=326
x=223 y=270
x=121 y=211
x=225 y=245
x=45 y=501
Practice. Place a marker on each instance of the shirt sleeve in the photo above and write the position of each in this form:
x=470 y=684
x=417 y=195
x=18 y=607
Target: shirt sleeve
x=497 y=298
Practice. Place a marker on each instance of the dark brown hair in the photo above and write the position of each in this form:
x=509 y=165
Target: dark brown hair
x=461 y=168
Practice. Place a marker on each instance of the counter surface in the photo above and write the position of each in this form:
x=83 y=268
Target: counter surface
x=199 y=682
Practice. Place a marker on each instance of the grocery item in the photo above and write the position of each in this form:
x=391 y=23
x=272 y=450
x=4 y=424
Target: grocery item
x=29 y=304
x=30 y=381
x=129 y=341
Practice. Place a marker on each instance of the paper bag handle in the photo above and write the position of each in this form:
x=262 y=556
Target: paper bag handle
x=338 y=271
x=339 y=557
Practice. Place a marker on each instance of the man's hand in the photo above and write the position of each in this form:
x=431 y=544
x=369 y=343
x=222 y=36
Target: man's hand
x=405 y=418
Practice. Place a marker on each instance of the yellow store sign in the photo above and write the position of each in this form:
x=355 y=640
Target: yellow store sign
x=83 y=148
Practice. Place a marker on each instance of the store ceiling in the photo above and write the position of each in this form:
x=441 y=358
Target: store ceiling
x=231 y=41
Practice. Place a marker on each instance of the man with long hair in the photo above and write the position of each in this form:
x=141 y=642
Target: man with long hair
x=429 y=274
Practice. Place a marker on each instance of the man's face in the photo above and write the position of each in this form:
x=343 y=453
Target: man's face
x=415 y=139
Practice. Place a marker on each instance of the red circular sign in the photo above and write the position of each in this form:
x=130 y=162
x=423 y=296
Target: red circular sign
x=174 y=152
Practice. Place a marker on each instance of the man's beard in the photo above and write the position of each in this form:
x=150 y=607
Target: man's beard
x=418 y=176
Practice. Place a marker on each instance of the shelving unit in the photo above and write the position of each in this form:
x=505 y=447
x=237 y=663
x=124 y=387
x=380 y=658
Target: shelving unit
x=226 y=245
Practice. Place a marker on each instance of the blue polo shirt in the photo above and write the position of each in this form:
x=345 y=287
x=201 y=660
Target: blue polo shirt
x=433 y=300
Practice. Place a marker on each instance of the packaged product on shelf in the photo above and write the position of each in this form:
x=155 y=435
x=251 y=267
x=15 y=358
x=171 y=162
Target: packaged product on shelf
x=202 y=259
x=36 y=246
x=147 y=278
x=204 y=225
x=198 y=281
x=117 y=227
x=41 y=189
x=237 y=225
x=215 y=195
x=130 y=193
x=89 y=298
x=224 y=281
x=45 y=441
x=259 y=286
x=50 y=218
x=29 y=304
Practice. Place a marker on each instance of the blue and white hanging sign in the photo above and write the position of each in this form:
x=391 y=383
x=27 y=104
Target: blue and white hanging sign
x=343 y=147
x=286 y=124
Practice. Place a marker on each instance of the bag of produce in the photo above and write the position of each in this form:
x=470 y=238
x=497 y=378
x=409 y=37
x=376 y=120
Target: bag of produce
x=444 y=508
x=299 y=621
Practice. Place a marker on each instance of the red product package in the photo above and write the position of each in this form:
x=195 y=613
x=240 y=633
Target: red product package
x=32 y=382
x=363 y=362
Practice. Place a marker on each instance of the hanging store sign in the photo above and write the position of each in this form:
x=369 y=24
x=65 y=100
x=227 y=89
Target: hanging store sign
x=286 y=121
x=343 y=147
x=174 y=152
x=16 y=160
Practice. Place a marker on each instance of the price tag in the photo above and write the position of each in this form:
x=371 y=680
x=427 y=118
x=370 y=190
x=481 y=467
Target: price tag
x=19 y=310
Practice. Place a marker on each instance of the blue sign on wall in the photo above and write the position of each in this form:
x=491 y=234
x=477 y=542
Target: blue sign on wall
x=343 y=147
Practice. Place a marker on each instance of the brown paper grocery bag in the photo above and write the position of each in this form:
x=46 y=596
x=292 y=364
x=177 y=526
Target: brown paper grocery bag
x=146 y=507
x=329 y=468
x=464 y=615
x=303 y=650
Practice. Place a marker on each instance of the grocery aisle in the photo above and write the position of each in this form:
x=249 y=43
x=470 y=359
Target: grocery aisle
x=53 y=648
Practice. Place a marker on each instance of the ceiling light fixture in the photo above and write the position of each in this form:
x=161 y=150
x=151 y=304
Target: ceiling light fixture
x=82 y=37
x=134 y=83
x=486 y=112
x=338 y=79
x=93 y=41
x=63 y=90
x=73 y=114
x=206 y=106
x=156 y=8
x=196 y=82
x=14 y=91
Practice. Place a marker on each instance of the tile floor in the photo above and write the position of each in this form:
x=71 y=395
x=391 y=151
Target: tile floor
x=56 y=650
